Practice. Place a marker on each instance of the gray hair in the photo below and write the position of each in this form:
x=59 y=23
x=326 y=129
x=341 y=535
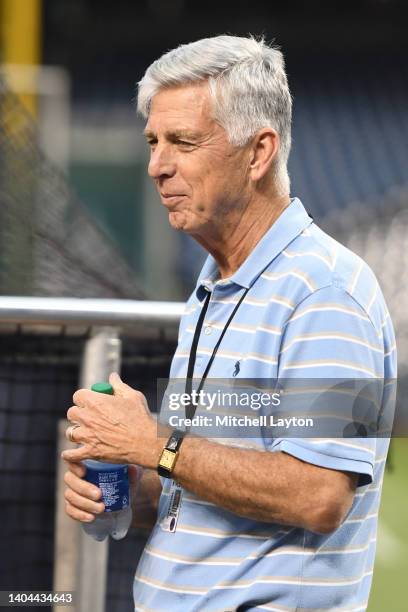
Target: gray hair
x=247 y=83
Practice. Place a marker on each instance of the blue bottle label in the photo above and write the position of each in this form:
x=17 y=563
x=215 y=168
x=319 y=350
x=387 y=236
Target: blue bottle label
x=114 y=484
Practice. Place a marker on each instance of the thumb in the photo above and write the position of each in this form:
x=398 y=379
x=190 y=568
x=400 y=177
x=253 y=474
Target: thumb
x=119 y=387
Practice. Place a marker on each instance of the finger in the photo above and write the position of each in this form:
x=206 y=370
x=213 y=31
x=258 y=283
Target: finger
x=69 y=432
x=78 y=515
x=83 y=503
x=77 y=454
x=82 y=397
x=79 y=434
x=119 y=387
x=77 y=468
x=82 y=487
x=73 y=414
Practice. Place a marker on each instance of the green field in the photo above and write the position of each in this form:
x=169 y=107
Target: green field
x=391 y=567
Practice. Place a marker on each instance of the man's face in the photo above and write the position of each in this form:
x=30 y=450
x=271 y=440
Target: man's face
x=201 y=178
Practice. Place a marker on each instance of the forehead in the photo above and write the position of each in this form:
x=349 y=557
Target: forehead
x=184 y=107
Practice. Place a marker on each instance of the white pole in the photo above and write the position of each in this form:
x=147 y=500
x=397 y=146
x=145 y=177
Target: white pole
x=84 y=562
x=66 y=541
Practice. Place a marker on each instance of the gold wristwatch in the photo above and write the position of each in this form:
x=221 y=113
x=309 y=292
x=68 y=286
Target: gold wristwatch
x=170 y=453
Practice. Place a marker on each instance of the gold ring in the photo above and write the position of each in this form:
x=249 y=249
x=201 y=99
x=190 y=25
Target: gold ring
x=70 y=432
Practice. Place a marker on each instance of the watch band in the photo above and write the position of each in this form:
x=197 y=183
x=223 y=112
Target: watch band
x=169 y=455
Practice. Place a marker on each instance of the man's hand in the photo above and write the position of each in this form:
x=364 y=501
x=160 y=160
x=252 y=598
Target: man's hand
x=83 y=499
x=115 y=429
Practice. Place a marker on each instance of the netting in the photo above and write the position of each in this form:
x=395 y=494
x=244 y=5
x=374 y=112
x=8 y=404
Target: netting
x=38 y=375
x=49 y=245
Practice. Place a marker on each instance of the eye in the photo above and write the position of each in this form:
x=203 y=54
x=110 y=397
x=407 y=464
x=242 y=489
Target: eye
x=185 y=144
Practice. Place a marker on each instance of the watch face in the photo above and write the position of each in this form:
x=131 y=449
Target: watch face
x=167 y=459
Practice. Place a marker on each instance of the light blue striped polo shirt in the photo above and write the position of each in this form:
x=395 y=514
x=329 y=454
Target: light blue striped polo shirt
x=314 y=310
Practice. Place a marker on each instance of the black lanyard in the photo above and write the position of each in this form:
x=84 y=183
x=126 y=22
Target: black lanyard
x=191 y=408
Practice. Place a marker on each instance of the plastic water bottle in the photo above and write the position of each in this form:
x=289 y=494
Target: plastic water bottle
x=112 y=479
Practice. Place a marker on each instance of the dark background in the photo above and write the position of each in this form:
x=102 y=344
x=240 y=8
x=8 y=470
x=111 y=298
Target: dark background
x=348 y=73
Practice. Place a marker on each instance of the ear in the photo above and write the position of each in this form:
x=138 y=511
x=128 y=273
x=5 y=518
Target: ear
x=264 y=149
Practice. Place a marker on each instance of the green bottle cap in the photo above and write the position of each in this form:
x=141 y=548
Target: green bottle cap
x=103 y=387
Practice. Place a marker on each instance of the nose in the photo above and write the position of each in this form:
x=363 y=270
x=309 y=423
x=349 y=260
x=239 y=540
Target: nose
x=161 y=164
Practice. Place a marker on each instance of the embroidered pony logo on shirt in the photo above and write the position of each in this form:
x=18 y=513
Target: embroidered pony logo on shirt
x=237 y=369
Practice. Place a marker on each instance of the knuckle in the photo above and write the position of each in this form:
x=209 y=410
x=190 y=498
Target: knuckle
x=95 y=449
x=74 y=469
x=89 y=493
x=140 y=396
x=72 y=414
x=68 y=510
x=79 y=473
x=95 y=493
x=67 y=476
x=68 y=495
x=79 y=396
x=86 y=518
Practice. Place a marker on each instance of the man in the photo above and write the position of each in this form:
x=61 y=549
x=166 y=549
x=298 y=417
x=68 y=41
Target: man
x=291 y=523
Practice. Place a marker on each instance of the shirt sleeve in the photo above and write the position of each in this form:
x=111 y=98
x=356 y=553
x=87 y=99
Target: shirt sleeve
x=330 y=337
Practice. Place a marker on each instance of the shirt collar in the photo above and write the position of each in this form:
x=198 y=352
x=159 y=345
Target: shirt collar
x=289 y=224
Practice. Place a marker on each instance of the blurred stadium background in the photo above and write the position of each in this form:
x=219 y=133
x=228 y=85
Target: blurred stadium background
x=78 y=217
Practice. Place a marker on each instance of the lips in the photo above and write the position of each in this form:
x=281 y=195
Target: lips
x=171 y=199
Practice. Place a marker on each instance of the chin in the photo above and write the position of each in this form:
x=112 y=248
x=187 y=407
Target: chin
x=179 y=221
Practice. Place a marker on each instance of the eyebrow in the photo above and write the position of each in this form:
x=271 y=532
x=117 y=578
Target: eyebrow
x=174 y=134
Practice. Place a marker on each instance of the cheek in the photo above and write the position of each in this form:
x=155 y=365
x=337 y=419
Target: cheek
x=201 y=192
x=213 y=184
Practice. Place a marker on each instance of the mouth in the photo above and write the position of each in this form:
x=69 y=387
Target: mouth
x=171 y=198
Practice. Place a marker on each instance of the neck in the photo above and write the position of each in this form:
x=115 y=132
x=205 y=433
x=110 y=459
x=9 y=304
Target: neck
x=231 y=243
